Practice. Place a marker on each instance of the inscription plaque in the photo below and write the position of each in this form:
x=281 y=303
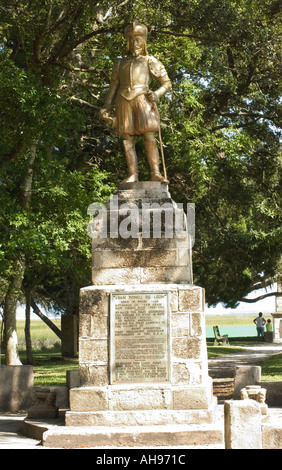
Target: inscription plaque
x=140 y=337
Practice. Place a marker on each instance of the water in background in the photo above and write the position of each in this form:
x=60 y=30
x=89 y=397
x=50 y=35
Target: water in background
x=234 y=331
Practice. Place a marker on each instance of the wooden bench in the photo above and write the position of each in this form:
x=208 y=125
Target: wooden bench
x=218 y=339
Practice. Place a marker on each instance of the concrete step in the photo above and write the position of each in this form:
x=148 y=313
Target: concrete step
x=133 y=436
x=140 y=417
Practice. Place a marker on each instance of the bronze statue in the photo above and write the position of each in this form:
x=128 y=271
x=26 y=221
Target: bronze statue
x=135 y=104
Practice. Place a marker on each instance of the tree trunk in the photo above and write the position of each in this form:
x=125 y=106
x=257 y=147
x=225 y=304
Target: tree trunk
x=18 y=268
x=10 y=308
x=29 y=355
x=46 y=320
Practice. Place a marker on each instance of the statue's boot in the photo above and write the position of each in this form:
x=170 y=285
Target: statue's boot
x=153 y=159
x=131 y=160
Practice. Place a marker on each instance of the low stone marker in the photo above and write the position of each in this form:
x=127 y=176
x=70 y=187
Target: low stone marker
x=245 y=375
x=43 y=404
x=255 y=392
x=16 y=387
x=242 y=424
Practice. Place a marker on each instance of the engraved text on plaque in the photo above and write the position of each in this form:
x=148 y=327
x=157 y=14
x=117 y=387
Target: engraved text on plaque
x=139 y=337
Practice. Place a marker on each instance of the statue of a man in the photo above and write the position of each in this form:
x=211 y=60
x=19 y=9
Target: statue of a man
x=135 y=104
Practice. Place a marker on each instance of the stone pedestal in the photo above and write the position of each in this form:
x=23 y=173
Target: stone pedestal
x=242 y=424
x=141 y=237
x=181 y=352
x=277 y=327
x=142 y=345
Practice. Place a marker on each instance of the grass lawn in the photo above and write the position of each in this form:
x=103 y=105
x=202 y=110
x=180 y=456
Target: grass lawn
x=50 y=369
x=49 y=366
x=215 y=351
x=271 y=369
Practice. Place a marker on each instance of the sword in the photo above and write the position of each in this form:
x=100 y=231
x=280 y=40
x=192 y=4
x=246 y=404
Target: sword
x=162 y=152
x=154 y=105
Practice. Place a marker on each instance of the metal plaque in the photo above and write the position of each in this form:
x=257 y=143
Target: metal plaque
x=140 y=337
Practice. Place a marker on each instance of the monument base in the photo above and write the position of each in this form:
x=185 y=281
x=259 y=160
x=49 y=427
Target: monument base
x=171 y=435
x=106 y=412
x=143 y=367
x=145 y=417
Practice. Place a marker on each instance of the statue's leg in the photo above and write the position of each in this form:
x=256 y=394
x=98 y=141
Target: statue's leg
x=131 y=159
x=153 y=157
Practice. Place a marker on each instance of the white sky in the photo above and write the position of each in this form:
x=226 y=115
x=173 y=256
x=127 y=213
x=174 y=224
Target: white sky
x=265 y=306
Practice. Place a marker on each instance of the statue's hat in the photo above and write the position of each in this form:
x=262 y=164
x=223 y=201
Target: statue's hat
x=136 y=28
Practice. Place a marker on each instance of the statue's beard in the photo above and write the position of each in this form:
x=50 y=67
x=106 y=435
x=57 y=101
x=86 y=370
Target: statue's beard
x=137 y=53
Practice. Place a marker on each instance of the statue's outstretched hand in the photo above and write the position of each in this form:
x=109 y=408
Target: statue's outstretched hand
x=106 y=116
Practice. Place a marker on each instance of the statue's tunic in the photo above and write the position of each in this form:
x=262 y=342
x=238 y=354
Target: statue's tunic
x=130 y=81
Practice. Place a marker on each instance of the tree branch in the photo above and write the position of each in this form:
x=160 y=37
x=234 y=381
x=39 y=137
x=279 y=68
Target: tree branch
x=261 y=297
x=184 y=35
x=83 y=102
x=44 y=318
x=87 y=37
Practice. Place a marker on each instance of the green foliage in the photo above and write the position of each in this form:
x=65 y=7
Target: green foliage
x=220 y=128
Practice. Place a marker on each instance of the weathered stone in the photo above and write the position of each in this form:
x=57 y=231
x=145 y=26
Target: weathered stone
x=271 y=435
x=192 y=397
x=140 y=398
x=142 y=258
x=160 y=274
x=94 y=374
x=277 y=325
x=88 y=399
x=257 y=393
x=242 y=424
x=197 y=323
x=132 y=436
x=104 y=276
x=187 y=372
x=274 y=393
x=190 y=300
x=140 y=417
x=180 y=324
x=43 y=403
x=92 y=350
x=186 y=348
x=16 y=387
x=245 y=375
x=93 y=301
x=72 y=378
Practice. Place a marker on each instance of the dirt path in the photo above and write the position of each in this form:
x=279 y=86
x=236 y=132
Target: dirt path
x=222 y=369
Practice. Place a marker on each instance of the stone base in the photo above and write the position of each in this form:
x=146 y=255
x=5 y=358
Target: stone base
x=188 y=353
x=129 y=397
x=134 y=436
x=242 y=424
x=141 y=237
x=146 y=417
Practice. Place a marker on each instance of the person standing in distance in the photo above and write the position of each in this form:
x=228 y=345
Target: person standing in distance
x=260 y=322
